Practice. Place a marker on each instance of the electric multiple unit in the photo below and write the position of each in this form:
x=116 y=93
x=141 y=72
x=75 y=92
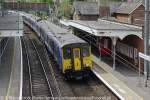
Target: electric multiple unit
x=72 y=54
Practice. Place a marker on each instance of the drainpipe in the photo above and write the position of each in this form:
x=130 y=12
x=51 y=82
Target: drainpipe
x=146 y=38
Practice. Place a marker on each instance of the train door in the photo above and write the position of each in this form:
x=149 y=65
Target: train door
x=77 y=61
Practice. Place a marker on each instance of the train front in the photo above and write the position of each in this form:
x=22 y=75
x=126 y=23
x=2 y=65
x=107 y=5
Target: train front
x=77 y=62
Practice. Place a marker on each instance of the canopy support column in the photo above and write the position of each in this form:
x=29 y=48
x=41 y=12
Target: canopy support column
x=99 y=46
x=114 y=41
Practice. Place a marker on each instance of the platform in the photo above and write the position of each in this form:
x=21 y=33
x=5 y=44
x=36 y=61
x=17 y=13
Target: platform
x=113 y=81
x=11 y=75
x=11 y=25
x=5 y=65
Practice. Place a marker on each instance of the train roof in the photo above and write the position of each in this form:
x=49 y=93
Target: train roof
x=62 y=35
x=31 y=16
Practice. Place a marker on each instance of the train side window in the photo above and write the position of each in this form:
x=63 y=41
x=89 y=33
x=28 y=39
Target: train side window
x=67 y=53
x=86 y=51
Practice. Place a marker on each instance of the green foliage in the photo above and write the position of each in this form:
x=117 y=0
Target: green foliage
x=116 y=0
x=64 y=10
x=50 y=2
x=39 y=1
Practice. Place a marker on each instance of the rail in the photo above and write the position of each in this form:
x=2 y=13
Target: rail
x=53 y=75
x=1 y=46
x=34 y=77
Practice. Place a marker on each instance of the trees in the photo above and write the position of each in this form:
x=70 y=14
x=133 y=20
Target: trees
x=64 y=9
x=46 y=1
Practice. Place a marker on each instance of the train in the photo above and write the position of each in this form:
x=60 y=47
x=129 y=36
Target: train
x=72 y=54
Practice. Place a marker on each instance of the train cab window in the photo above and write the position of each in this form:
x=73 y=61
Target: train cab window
x=86 y=52
x=67 y=53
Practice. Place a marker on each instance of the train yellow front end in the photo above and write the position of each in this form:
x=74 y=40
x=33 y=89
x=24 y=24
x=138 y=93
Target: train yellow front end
x=77 y=61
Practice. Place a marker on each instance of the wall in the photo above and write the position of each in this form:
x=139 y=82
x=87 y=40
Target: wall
x=123 y=18
x=135 y=42
x=89 y=17
x=104 y=11
x=138 y=16
x=26 y=6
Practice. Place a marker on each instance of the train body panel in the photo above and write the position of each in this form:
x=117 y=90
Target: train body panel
x=87 y=60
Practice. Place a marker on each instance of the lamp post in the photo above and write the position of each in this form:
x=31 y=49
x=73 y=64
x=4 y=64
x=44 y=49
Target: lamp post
x=2 y=7
x=18 y=2
x=49 y=7
x=146 y=38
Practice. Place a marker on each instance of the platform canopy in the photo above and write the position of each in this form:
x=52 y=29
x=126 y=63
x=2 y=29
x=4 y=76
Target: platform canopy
x=11 y=25
x=105 y=28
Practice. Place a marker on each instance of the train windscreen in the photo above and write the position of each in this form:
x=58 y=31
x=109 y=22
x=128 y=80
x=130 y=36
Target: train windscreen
x=85 y=51
x=67 y=53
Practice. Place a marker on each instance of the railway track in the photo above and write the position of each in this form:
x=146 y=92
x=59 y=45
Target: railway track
x=38 y=79
x=92 y=88
x=49 y=70
x=3 y=45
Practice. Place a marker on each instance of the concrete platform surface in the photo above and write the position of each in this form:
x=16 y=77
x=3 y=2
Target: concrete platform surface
x=5 y=65
x=15 y=83
x=116 y=81
x=11 y=75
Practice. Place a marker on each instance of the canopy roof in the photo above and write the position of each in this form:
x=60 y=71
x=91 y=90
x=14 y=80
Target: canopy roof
x=105 y=28
x=128 y=7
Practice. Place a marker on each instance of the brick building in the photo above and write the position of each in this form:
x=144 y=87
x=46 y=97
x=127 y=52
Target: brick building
x=130 y=12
